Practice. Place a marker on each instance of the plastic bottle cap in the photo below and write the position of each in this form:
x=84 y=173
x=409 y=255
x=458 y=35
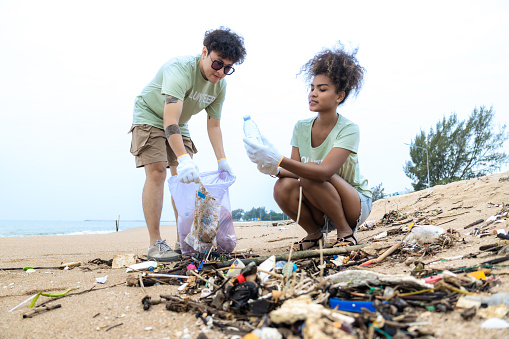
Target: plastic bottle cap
x=247 y=117
x=240 y=279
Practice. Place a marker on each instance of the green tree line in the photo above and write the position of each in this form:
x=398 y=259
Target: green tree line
x=257 y=214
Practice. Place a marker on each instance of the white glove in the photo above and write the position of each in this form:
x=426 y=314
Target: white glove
x=187 y=171
x=222 y=165
x=269 y=170
x=265 y=155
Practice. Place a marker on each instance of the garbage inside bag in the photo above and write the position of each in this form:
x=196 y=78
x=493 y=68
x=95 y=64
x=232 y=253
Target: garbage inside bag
x=189 y=196
x=205 y=221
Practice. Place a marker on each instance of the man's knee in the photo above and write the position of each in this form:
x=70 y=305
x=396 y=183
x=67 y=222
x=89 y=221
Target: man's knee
x=156 y=171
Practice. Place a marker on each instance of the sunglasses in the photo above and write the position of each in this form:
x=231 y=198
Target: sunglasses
x=218 y=64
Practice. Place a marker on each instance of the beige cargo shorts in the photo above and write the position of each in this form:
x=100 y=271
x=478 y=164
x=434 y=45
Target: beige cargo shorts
x=149 y=145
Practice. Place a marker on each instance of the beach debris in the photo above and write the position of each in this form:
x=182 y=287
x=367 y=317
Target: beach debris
x=39 y=310
x=424 y=234
x=60 y=267
x=22 y=303
x=51 y=295
x=124 y=260
x=382 y=257
x=101 y=280
x=101 y=262
x=114 y=326
x=148 y=301
x=495 y=323
x=142 y=266
x=357 y=278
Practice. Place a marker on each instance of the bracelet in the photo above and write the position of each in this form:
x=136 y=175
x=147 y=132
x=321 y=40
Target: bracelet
x=277 y=175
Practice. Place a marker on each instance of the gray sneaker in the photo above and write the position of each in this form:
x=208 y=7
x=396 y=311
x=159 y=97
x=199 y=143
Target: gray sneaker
x=160 y=251
x=177 y=247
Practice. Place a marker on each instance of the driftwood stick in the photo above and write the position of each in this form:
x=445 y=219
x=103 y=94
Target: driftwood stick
x=38 y=310
x=391 y=250
x=201 y=278
x=279 y=276
x=474 y=223
x=297 y=255
x=200 y=307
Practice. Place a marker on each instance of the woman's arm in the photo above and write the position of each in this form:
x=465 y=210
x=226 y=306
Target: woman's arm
x=318 y=172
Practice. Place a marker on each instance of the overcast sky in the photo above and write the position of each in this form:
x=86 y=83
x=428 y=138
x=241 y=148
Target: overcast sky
x=70 y=71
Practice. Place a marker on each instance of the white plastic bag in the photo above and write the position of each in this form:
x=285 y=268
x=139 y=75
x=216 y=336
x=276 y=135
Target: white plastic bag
x=216 y=184
x=424 y=234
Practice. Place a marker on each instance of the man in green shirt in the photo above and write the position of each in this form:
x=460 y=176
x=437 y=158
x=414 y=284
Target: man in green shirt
x=182 y=87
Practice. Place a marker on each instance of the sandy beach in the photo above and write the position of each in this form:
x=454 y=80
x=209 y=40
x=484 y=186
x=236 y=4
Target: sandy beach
x=93 y=313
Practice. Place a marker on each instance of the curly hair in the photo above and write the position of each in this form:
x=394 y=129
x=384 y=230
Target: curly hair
x=226 y=43
x=341 y=67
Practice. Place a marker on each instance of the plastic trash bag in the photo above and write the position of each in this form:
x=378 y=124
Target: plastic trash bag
x=424 y=234
x=210 y=224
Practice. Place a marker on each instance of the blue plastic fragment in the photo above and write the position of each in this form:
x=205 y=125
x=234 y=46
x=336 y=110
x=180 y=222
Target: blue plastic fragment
x=201 y=195
x=352 y=305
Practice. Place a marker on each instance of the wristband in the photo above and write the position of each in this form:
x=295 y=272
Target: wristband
x=221 y=159
x=279 y=163
x=182 y=155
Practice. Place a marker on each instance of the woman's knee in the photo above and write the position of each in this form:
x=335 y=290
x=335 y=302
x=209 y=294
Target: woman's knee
x=283 y=188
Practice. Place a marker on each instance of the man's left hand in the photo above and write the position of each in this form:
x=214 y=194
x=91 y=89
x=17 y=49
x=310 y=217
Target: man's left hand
x=222 y=165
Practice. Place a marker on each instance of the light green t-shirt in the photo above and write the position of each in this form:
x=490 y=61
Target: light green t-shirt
x=344 y=135
x=180 y=77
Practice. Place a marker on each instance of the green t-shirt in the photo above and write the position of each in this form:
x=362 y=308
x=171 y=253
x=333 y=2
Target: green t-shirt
x=344 y=135
x=180 y=77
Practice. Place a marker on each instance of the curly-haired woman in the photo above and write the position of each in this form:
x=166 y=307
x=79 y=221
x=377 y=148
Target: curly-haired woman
x=183 y=87
x=321 y=185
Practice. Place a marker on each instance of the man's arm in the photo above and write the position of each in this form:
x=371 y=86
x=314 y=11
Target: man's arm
x=172 y=112
x=215 y=137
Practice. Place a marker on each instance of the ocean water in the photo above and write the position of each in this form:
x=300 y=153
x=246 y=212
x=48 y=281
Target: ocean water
x=30 y=228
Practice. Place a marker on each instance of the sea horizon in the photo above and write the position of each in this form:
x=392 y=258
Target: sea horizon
x=30 y=228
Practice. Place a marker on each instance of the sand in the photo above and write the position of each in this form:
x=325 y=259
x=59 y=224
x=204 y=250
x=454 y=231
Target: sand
x=92 y=314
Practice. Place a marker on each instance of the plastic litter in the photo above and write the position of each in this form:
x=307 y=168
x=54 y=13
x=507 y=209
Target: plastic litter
x=237 y=266
x=496 y=299
x=351 y=306
x=142 y=266
x=251 y=130
x=102 y=280
x=424 y=234
x=495 y=323
x=267 y=265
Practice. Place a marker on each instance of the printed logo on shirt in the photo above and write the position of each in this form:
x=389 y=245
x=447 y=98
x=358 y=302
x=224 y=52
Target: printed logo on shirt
x=202 y=97
x=304 y=160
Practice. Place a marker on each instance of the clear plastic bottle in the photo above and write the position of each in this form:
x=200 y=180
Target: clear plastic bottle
x=251 y=131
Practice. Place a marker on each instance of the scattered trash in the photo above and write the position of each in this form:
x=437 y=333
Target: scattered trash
x=424 y=234
x=495 y=323
x=143 y=266
x=124 y=260
x=101 y=280
x=330 y=292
